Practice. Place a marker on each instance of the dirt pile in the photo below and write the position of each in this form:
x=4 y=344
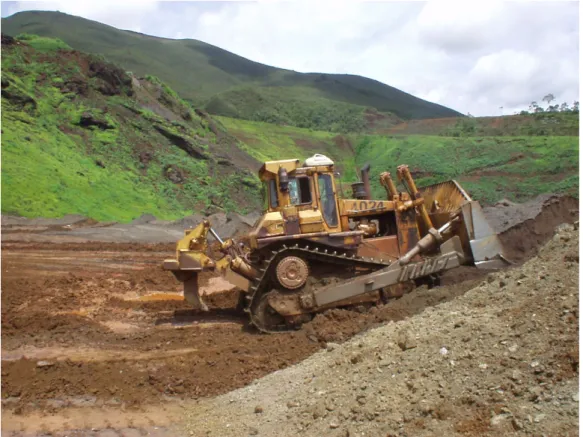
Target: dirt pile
x=525 y=227
x=505 y=214
x=501 y=360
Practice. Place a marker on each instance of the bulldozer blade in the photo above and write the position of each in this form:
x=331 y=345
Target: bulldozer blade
x=191 y=294
x=449 y=195
x=486 y=247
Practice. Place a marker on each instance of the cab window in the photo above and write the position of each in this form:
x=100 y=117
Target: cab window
x=328 y=200
x=265 y=195
x=299 y=191
x=273 y=194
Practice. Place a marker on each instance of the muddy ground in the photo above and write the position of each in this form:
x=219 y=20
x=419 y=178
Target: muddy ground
x=95 y=335
x=145 y=229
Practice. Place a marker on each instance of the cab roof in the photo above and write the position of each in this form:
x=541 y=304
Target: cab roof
x=273 y=167
x=270 y=168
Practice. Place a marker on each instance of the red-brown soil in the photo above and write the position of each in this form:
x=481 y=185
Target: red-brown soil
x=94 y=325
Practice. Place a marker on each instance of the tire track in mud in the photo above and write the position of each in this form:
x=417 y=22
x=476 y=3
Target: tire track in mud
x=168 y=351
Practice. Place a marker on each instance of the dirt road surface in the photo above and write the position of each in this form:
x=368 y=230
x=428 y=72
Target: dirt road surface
x=96 y=339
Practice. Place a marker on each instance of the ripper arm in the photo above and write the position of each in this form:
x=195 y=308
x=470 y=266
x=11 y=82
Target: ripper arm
x=193 y=256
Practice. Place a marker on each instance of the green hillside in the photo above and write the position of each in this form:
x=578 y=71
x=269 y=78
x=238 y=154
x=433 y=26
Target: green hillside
x=565 y=123
x=227 y=84
x=267 y=142
x=489 y=168
x=80 y=135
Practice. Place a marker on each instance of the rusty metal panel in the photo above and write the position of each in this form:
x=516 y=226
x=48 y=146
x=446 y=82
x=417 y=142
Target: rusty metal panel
x=344 y=222
x=437 y=218
x=407 y=230
x=291 y=220
x=292 y=225
x=380 y=248
x=449 y=195
x=338 y=239
x=412 y=236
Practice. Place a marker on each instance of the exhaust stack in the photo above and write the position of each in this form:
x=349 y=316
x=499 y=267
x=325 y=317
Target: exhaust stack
x=364 y=171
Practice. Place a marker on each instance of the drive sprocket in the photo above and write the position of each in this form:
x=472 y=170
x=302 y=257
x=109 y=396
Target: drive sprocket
x=292 y=272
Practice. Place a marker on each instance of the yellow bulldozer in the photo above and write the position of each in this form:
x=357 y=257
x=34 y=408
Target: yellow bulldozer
x=314 y=250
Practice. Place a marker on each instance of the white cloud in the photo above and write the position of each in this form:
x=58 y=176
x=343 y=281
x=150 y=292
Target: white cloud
x=505 y=66
x=472 y=56
x=459 y=27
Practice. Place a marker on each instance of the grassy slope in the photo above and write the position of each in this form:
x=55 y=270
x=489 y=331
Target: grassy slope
x=297 y=106
x=50 y=163
x=203 y=74
x=538 y=124
x=267 y=142
x=490 y=168
x=52 y=166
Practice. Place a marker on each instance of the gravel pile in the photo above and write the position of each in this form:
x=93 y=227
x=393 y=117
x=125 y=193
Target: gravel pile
x=506 y=214
x=500 y=360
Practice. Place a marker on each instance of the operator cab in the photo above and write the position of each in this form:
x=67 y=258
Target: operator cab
x=288 y=177
x=307 y=189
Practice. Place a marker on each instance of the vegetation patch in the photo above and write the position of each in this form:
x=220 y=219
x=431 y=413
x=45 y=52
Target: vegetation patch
x=285 y=106
x=529 y=124
x=42 y=43
x=268 y=142
x=489 y=167
x=102 y=153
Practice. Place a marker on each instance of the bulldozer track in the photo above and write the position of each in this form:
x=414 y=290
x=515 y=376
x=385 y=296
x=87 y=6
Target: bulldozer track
x=309 y=251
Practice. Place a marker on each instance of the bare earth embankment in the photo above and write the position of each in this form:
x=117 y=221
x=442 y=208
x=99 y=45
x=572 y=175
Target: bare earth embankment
x=97 y=341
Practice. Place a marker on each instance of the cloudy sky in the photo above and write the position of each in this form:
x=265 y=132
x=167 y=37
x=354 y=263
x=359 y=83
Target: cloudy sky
x=473 y=56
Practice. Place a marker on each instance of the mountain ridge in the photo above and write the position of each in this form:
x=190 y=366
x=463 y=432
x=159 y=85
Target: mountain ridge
x=201 y=73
